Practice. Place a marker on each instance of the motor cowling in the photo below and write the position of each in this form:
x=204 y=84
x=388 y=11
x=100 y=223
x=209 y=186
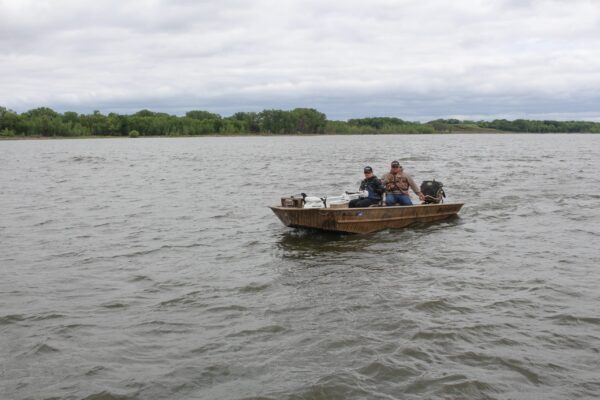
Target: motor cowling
x=433 y=192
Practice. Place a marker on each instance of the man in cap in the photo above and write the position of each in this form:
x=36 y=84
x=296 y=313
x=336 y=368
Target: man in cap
x=373 y=186
x=397 y=183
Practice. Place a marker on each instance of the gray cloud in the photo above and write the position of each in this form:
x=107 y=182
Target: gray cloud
x=417 y=60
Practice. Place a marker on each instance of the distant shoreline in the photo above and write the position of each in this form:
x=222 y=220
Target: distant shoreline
x=490 y=132
x=45 y=122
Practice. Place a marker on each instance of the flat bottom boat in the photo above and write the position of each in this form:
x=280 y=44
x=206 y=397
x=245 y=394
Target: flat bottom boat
x=364 y=220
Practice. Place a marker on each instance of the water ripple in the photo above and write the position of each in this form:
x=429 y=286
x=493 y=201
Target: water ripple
x=129 y=273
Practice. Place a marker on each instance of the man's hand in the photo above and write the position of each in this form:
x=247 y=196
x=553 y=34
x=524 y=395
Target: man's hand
x=421 y=196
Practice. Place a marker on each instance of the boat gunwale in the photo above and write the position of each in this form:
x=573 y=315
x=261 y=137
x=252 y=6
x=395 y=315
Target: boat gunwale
x=363 y=219
x=328 y=209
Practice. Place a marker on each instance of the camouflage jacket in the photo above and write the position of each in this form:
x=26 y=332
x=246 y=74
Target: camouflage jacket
x=399 y=183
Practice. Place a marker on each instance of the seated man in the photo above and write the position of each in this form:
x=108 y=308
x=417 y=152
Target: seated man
x=373 y=186
x=396 y=184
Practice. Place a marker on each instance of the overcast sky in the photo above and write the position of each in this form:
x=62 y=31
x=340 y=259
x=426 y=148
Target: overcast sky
x=417 y=60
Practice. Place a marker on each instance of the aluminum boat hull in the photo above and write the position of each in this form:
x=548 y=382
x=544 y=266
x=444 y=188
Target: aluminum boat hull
x=364 y=220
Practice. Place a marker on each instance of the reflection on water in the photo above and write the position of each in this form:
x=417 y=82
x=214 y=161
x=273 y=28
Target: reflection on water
x=302 y=242
x=152 y=268
x=301 y=239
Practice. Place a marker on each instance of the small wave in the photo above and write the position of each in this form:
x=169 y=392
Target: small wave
x=424 y=385
x=332 y=345
x=512 y=303
x=584 y=231
x=94 y=371
x=286 y=310
x=481 y=360
x=11 y=319
x=85 y=159
x=440 y=305
x=185 y=299
x=592 y=388
x=114 y=305
x=471 y=388
x=416 y=158
x=418 y=354
x=228 y=214
x=98 y=207
x=139 y=278
x=568 y=319
x=254 y=287
x=335 y=386
x=525 y=159
x=133 y=254
x=150 y=251
x=14 y=318
x=46 y=222
x=232 y=307
x=104 y=395
x=381 y=371
x=432 y=335
x=525 y=372
x=264 y=329
x=68 y=329
x=207 y=347
x=183 y=246
x=563 y=341
x=66 y=254
x=43 y=348
x=162 y=323
x=46 y=316
x=153 y=329
x=582 y=196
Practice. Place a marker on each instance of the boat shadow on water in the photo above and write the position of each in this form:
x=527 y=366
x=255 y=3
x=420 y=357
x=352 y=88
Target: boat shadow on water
x=303 y=239
x=309 y=240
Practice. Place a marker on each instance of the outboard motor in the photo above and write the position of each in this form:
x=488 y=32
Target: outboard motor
x=433 y=192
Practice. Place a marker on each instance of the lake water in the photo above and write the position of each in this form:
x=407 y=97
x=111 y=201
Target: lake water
x=153 y=269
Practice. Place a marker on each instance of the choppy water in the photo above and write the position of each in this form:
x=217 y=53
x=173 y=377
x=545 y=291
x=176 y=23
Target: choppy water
x=152 y=269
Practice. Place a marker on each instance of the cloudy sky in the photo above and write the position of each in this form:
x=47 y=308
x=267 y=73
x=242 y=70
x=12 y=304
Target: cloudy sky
x=417 y=60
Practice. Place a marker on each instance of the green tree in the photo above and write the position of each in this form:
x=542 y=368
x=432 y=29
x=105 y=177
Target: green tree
x=199 y=114
x=308 y=120
x=42 y=112
x=8 y=119
x=251 y=121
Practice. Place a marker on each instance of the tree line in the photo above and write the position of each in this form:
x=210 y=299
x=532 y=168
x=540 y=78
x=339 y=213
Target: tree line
x=518 y=125
x=44 y=121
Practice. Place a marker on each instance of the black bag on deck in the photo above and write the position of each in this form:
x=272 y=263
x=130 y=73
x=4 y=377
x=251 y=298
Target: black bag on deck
x=433 y=192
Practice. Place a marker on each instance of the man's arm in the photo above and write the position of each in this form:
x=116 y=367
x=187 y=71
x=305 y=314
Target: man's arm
x=384 y=181
x=415 y=188
x=379 y=188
